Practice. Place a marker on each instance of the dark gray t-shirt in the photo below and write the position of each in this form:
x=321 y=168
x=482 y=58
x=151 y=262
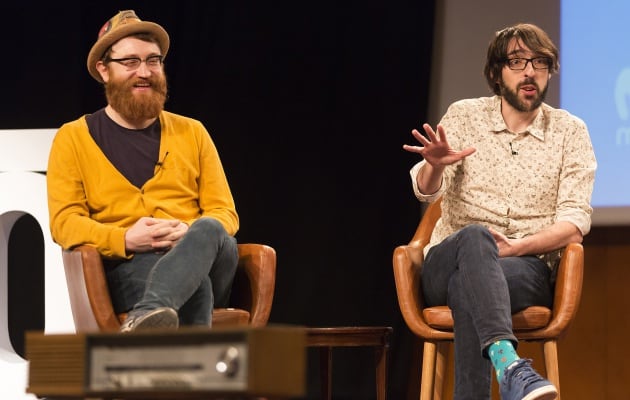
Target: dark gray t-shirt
x=134 y=152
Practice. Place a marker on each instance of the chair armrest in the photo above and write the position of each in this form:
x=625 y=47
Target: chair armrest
x=431 y=215
x=407 y=267
x=87 y=286
x=255 y=280
x=568 y=291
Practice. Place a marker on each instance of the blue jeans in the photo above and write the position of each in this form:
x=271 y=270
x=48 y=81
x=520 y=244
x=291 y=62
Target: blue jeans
x=193 y=277
x=465 y=272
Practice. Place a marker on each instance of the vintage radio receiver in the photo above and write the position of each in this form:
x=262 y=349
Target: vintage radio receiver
x=267 y=361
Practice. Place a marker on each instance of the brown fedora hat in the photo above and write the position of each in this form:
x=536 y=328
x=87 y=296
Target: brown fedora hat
x=123 y=24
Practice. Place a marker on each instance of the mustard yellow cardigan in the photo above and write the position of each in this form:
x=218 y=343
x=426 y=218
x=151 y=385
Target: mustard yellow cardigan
x=91 y=202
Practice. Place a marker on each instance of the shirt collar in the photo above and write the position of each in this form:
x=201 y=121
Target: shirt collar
x=536 y=129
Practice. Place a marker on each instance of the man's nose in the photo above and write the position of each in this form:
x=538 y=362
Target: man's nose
x=143 y=69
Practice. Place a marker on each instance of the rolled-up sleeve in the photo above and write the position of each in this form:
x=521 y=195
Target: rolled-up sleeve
x=577 y=179
x=428 y=198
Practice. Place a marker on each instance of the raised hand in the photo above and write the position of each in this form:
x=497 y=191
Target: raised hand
x=435 y=148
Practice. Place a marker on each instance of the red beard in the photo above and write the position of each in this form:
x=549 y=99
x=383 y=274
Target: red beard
x=137 y=106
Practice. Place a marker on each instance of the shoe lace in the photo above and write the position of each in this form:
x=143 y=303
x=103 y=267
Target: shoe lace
x=524 y=373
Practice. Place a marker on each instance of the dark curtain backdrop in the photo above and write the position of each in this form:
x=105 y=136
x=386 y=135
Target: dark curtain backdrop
x=308 y=102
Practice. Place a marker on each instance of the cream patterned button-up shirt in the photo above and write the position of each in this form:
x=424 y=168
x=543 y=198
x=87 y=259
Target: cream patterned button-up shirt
x=516 y=182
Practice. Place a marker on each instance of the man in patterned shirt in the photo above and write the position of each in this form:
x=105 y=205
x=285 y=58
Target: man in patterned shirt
x=516 y=178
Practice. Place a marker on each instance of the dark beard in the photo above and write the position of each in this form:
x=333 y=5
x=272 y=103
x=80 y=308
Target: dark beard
x=511 y=96
x=136 y=107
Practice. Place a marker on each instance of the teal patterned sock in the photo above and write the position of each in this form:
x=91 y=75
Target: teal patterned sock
x=502 y=354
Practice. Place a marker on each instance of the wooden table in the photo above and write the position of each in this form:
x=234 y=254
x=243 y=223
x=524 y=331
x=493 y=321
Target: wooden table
x=359 y=336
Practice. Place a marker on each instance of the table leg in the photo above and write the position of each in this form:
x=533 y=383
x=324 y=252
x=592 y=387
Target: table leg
x=381 y=372
x=325 y=372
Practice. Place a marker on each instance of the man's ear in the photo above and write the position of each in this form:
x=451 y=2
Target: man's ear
x=102 y=70
x=495 y=79
x=498 y=82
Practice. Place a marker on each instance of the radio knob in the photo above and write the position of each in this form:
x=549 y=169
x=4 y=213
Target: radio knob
x=228 y=362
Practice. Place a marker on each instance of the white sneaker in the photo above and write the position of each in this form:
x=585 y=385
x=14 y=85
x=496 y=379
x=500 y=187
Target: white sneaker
x=160 y=318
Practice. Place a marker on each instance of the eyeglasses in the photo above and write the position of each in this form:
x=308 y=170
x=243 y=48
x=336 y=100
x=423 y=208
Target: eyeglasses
x=519 y=64
x=133 y=63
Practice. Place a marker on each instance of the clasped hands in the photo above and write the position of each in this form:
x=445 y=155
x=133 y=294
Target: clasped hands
x=154 y=235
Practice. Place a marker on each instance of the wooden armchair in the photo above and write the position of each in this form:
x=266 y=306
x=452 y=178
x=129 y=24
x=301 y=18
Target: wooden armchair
x=250 y=303
x=434 y=325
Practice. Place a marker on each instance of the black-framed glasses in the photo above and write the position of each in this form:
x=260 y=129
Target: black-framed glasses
x=133 y=63
x=519 y=64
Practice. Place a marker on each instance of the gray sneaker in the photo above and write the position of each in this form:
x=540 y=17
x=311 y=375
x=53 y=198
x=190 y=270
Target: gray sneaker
x=160 y=318
x=521 y=382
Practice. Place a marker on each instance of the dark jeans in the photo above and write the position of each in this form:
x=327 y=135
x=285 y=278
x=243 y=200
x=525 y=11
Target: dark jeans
x=483 y=290
x=193 y=277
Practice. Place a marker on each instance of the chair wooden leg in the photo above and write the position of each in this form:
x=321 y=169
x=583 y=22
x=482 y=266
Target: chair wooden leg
x=415 y=370
x=428 y=370
x=441 y=362
x=550 y=351
x=381 y=372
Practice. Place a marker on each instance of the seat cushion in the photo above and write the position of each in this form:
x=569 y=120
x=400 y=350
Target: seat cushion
x=439 y=317
x=229 y=317
x=534 y=317
x=220 y=317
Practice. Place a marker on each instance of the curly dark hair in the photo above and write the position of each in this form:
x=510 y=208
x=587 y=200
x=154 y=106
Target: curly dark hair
x=531 y=36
